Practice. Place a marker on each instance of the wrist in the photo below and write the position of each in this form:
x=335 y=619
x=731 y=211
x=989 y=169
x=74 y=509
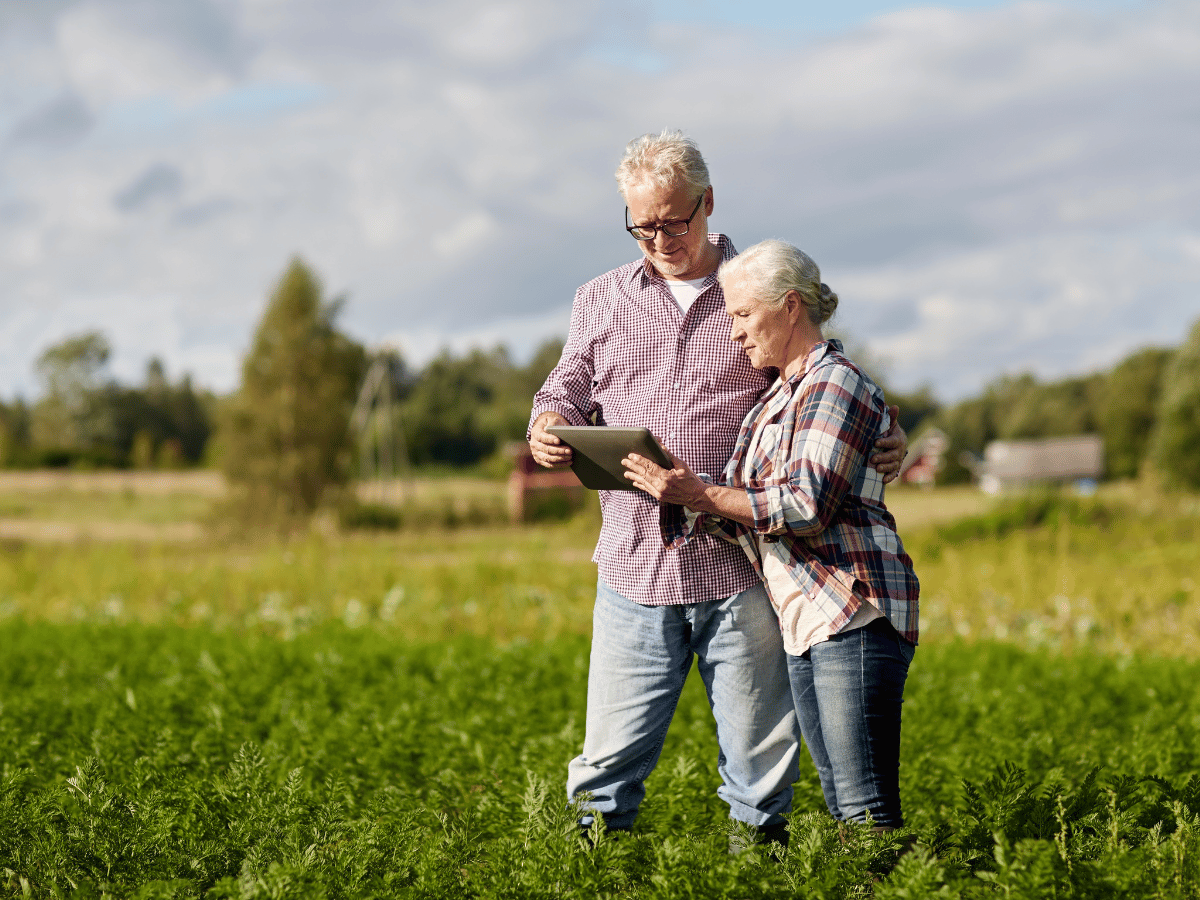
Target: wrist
x=704 y=499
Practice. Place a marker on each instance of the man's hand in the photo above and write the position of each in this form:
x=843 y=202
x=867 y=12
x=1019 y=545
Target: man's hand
x=549 y=451
x=890 y=449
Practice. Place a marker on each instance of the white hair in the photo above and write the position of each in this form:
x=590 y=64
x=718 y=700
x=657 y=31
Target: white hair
x=773 y=268
x=662 y=160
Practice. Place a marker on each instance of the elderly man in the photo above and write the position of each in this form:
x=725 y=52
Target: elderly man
x=649 y=346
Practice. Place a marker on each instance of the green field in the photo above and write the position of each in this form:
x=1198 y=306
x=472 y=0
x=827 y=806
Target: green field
x=390 y=714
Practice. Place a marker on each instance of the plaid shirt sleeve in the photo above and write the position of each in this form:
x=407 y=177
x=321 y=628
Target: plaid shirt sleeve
x=679 y=524
x=831 y=432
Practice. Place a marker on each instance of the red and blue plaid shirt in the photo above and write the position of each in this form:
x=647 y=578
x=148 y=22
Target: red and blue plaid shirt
x=801 y=456
x=633 y=358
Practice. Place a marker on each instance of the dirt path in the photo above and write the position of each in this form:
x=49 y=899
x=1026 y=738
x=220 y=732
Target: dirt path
x=199 y=483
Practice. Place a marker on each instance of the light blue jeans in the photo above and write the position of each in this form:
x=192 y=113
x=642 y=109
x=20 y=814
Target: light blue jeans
x=640 y=658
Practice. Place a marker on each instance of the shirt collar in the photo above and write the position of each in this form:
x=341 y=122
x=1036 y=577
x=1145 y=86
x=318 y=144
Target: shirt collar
x=723 y=243
x=819 y=351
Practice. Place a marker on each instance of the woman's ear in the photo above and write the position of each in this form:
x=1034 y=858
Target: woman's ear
x=795 y=306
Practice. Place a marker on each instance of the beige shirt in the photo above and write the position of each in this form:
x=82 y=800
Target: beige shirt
x=800 y=621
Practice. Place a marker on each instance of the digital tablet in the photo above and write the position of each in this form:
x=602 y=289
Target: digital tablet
x=599 y=449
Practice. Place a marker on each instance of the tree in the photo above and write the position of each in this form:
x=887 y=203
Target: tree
x=1176 y=443
x=287 y=439
x=450 y=416
x=14 y=432
x=69 y=415
x=1130 y=409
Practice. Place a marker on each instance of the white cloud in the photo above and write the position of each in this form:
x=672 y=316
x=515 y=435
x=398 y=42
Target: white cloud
x=1003 y=189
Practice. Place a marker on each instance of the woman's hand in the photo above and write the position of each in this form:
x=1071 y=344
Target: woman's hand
x=678 y=484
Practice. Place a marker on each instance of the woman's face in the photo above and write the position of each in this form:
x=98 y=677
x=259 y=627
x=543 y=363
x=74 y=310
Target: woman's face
x=762 y=332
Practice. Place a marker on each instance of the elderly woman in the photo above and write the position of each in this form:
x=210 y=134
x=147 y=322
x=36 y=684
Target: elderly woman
x=800 y=498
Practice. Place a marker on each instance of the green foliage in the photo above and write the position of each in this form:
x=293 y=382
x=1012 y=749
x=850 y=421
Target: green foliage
x=160 y=426
x=1030 y=510
x=1177 y=440
x=69 y=416
x=446 y=415
x=193 y=763
x=1130 y=409
x=1124 y=406
x=462 y=409
x=69 y=369
x=286 y=436
x=915 y=407
x=1014 y=408
x=353 y=515
x=86 y=422
x=14 y=432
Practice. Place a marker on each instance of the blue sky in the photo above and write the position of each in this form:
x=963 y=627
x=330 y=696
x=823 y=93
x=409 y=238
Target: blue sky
x=991 y=187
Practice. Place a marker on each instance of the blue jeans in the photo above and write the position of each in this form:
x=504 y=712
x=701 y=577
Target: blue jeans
x=640 y=658
x=848 y=692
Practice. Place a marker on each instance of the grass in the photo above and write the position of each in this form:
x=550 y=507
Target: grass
x=390 y=713
x=1114 y=573
x=169 y=762
x=67 y=505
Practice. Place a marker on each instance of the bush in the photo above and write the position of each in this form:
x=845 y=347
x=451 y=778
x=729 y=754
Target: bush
x=1030 y=510
x=369 y=517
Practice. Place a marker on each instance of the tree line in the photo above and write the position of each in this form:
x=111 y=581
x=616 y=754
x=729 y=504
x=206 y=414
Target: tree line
x=1146 y=409
x=286 y=430
x=288 y=424
x=84 y=419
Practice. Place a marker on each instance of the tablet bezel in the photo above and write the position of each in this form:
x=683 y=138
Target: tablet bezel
x=597 y=451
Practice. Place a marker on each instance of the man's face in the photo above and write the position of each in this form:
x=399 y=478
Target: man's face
x=680 y=258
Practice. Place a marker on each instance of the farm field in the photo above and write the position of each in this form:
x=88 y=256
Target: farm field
x=390 y=714
x=159 y=761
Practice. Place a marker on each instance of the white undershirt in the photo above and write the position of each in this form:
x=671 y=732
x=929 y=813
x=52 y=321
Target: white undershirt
x=686 y=292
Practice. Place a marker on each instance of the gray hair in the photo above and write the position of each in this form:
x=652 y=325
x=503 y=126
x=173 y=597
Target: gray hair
x=773 y=268
x=662 y=160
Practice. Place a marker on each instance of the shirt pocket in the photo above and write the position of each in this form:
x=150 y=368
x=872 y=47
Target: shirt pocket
x=770 y=438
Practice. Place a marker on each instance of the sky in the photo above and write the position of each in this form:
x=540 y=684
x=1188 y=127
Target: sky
x=991 y=187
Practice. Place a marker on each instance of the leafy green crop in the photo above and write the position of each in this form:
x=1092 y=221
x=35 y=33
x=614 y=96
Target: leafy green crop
x=170 y=762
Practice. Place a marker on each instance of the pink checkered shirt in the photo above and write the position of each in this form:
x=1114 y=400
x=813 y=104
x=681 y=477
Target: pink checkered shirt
x=634 y=359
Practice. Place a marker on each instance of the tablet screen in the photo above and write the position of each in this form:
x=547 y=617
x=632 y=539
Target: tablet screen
x=599 y=449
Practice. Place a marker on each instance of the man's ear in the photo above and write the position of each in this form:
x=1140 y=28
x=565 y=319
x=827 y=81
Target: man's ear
x=708 y=200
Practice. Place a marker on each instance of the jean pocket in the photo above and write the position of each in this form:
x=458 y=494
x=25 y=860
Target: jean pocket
x=907 y=649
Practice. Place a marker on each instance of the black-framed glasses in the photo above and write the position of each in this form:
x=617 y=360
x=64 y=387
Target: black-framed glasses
x=677 y=228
